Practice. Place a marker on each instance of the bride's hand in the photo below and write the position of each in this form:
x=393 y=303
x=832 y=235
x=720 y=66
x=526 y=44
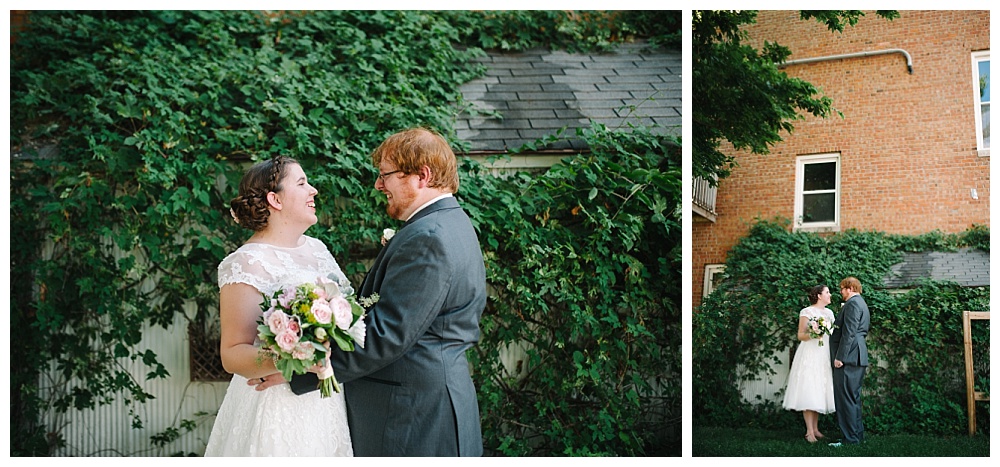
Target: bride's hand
x=265 y=382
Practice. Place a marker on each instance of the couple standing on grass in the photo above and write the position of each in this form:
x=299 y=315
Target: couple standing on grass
x=829 y=368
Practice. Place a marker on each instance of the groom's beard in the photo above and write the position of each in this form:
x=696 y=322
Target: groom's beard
x=400 y=202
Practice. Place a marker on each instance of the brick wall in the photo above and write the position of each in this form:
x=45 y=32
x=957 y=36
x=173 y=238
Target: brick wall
x=907 y=142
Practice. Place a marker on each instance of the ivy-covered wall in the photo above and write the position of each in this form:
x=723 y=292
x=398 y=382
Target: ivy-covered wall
x=153 y=115
x=916 y=380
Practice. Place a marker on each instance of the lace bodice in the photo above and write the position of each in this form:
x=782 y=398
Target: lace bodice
x=816 y=312
x=268 y=268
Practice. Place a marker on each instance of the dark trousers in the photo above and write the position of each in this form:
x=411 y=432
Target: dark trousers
x=847 y=397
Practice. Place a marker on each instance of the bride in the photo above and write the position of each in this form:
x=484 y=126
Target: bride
x=810 y=380
x=276 y=202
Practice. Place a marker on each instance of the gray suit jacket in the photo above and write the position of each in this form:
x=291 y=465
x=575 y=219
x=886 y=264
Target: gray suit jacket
x=847 y=343
x=409 y=391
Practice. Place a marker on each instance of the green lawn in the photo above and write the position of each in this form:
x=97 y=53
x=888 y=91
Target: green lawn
x=755 y=442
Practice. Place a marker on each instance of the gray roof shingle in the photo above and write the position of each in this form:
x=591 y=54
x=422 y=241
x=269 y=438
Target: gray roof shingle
x=967 y=267
x=539 y=91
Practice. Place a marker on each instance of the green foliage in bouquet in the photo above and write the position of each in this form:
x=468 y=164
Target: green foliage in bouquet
x=915 y=382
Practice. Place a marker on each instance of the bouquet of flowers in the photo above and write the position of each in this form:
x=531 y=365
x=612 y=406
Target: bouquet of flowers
x=299 y=322
x=819 y=326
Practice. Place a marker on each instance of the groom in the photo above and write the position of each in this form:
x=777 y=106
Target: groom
x=849 y=353
x=409 y=391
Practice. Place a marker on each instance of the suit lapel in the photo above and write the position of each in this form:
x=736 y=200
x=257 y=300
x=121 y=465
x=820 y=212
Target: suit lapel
x=440 y=205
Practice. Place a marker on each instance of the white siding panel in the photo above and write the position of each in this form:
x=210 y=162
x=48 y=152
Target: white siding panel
x=107 y=430
x=766 y=387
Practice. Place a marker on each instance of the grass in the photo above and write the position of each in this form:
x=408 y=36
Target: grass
x=756 y=442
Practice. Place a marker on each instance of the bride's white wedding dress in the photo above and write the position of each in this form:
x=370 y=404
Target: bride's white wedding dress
x=276 y=421
x=810 y=380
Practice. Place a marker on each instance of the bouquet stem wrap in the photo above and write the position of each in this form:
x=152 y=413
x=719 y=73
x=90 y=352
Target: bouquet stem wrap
x=327 y=381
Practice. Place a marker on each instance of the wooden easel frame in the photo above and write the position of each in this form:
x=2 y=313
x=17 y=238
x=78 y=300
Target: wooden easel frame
x=970 y=389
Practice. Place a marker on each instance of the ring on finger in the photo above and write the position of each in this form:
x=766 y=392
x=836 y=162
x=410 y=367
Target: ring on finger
x=261 y=379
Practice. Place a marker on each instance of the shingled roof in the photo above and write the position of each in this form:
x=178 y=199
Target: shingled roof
x=967 y=267
x=537 y=92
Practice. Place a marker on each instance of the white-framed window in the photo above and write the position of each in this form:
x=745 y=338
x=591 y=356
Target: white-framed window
x=981 y=91
x=817 y=192
x=713 y=274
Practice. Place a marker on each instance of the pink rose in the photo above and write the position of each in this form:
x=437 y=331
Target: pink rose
x=277 y=320
x=287 y=340
x=321 y=311
x=341 y=312
x=293 y=325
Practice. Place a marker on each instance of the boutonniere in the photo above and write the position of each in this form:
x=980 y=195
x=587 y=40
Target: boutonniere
x=387 y=235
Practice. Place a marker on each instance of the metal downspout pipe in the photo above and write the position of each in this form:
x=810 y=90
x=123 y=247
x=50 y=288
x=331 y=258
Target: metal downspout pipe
x=909 y=61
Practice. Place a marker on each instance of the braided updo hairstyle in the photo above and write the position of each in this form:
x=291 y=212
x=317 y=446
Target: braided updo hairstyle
x=814 y=293
x=249 y=209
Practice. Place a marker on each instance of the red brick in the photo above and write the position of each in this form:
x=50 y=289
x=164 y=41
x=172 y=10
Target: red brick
x=907 y=143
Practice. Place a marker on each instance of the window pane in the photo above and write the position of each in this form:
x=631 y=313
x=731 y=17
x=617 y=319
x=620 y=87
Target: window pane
x=819 y=208
x=984 y=81
x=821 y=176
x=986 y=125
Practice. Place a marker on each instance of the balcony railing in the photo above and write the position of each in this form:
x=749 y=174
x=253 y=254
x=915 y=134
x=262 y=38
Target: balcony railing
x=703 y=198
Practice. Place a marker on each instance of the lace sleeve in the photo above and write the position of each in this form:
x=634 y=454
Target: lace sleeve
x=242 y=267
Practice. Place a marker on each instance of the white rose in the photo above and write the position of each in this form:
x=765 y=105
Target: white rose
x=387 y=235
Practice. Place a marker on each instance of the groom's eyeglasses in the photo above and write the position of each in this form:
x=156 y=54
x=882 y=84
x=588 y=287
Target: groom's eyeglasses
x=382 y=176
